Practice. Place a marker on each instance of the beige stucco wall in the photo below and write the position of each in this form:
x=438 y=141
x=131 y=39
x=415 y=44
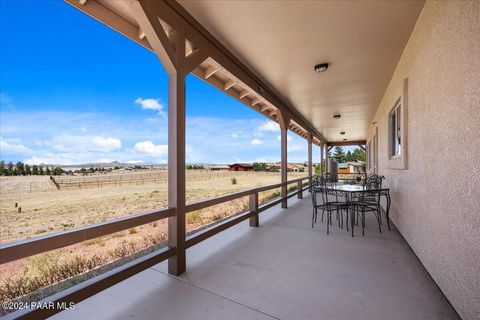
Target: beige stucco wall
x=436 y=201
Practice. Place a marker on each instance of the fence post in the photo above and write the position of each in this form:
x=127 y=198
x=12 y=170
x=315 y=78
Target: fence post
x=299 y=189
x=253 y=207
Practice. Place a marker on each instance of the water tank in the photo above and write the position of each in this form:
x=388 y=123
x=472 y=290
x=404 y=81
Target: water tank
x=332 y=169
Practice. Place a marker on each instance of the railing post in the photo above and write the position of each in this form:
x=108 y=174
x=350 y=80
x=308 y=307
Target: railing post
x=176 y=160
x=309 y=140
x=284 y=122
x=299 y=188
x=322 y=165
x=253 y=207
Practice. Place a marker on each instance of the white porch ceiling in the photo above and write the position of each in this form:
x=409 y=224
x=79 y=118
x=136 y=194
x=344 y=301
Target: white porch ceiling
x=283 y=40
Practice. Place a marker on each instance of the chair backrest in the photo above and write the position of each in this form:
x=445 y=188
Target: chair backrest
x=317 y=195
x=374 y=181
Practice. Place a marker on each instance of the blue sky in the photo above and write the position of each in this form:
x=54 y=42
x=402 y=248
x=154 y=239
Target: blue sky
x=73 y=91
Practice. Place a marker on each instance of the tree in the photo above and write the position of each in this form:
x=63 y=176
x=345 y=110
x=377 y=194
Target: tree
x=58 y=171
x=349 y=156
x=358 y=155
x=3 y=169
x=259 y=166
x=47 y=171
x=19 y=168
x=40 y=171
x=28 y=170
x=10 y=170
x=339 y=154
x=35 y=170
x=318 y=169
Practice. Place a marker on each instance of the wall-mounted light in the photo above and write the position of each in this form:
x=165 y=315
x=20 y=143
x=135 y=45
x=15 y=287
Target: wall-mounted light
x=337 y=116
x=342 y=132
x=322 y=67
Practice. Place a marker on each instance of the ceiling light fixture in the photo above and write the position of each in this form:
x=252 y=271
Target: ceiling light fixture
x=337 y=116
x=322 y=67
x=344 y=139
x=342 y=132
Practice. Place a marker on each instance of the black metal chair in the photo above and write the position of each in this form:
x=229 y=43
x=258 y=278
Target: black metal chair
x=362 y=202
x=374 y=182
x=321 y=201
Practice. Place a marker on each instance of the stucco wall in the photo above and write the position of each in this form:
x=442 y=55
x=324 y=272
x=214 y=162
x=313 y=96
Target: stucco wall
x=436 y=201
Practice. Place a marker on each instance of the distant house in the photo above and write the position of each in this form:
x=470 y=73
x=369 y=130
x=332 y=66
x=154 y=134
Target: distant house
x=241 y=167
x=351 y=167
x=291 y=167
x=220 y=168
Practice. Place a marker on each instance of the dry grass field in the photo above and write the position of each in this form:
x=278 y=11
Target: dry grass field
x=45 y=209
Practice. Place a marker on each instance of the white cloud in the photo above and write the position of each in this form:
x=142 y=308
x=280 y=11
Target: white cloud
x=75 y=143
x=13 y=147
x=49 y=159
x=269 y=125
x=256 y=142
x=234 y=135
x=151 y=104
x=148 y=147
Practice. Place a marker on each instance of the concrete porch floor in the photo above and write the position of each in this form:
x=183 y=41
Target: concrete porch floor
x=283 y=269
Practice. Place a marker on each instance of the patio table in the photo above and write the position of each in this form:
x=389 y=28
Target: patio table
x=354 y=191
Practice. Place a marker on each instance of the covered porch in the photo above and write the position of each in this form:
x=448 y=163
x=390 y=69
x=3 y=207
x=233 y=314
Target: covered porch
x=280 y=267
x=283 y=269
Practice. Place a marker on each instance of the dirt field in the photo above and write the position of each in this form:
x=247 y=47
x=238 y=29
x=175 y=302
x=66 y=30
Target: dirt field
x=45 y=209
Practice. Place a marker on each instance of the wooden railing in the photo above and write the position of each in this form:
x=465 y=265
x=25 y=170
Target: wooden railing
x=25 y=248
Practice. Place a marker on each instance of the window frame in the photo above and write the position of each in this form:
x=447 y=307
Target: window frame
x=399 y=107
x=395 y=140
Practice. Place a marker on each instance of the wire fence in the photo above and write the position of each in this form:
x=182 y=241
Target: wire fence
x=100 y=180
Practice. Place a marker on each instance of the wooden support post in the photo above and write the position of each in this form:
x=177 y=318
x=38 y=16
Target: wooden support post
x=253 y=207
x=310 y=174
x=322 y=165
x=284 y=122
x=176 y=171
x=299 y=188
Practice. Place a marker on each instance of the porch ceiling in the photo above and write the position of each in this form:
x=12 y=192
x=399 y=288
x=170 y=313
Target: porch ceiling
x=283 y=40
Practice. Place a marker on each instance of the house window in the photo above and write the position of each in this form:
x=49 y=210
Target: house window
x=369 y=155
x=395 y=131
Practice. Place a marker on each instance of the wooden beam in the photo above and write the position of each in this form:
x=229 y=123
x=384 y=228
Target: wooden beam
x=346 y=143
x=228 y=84
x=141 y=34
x=243 y=94
x=255 y=101
x=156 y=35
x=265 y=108
x=210 y=71
x=111 y=19
x=194 y=59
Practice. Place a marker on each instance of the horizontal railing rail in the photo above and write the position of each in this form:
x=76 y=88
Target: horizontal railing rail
x=29 y=247
x=25 y=248
x=92 y=286
x=252 y=213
